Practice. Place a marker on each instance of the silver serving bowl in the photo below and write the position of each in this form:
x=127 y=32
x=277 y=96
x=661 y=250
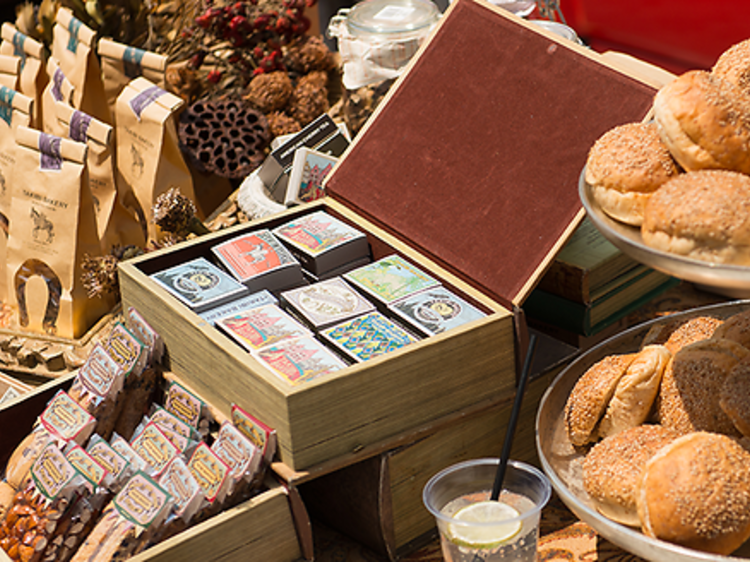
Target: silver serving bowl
x=729 y=280
x=563 y=465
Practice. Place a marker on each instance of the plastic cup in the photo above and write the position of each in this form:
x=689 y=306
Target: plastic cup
x=525 y=488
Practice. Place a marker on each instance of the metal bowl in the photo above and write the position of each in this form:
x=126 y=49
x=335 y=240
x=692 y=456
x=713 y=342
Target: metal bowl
x=729 y=280
x=563 y=465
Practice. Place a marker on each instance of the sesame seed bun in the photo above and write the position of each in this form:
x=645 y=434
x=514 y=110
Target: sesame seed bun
x=676 y=334
x=734 y=65
x=625 y=166
x=695 y=492
x=735 y=328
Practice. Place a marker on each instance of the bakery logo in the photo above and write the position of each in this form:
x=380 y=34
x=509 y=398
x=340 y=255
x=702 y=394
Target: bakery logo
x=178 y=482
x=234 y=448
x=87 y=466
x=154 y=447
x=42 y=231
x=183 y=405
x=137 y=164
x=100 y=371
x=141 y=500
x=125 y=349
x=437 y=310
x=208 y=470
x=51 y=472
x=64 y=417
x=111 y=460
x=197 y=281
x=249 y=428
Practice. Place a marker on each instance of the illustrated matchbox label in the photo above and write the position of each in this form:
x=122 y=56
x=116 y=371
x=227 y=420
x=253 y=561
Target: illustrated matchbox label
x=368 y=336
x=236 y=450
x=123 y=448
x=141 y=501
x=317 y=233
x=184 y=404
x=390 y=278
x=177 y=431
x=51 y=472
x=238 y=305
x=436 y=310
x=260 y=435
x=309 y=169
x=127 y=350
x=101 y=374
x=112 y=461
x=182 y=486
x=199 y=283
x=300 y=360
x=327 y=302
x=209 y=471
x=65 y=418
x=253 y=254
x=153 y=446
x=84 y=463
x=262 y=326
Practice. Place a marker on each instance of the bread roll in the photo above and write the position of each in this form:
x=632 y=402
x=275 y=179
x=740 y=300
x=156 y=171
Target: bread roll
x=689 y=393
x=675 y=334
x=635 y=392
x=19 y=465
x=590 y=396
x=625 y=166
x=701 y=215
x=695 y=492
x=734 y=65
x=612 y=470
x=705 y=122
x=734 y=396
x=735 y=328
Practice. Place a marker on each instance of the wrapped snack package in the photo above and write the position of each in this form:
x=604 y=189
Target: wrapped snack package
x=212 y=475
x=182 y=436
x=10 y=68
x=242 y=457
x=65 y=420
x=187 y=494
x=19 y=465
x=32 y=78
x=116 y=464
x=42 y=507
x=128 y=523
x=186 y=406
x=123 y=448
x=147 y=335
x=261 y=435
x=154 y=447
x=58 y=90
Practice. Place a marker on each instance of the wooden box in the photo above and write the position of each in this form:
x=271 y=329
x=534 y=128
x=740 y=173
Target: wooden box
x=469 y=170
x=263 y=528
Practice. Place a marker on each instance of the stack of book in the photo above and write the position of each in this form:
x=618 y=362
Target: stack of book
x=590 y=287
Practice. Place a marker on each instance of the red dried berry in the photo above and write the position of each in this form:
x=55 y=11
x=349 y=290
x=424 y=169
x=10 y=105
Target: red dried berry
x=203 y=21
x=214 y=76
x=238 y=23
x=257 y=71
x=282 y=24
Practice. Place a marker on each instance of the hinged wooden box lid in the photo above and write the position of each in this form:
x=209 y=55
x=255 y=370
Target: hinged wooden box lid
x=474 y=156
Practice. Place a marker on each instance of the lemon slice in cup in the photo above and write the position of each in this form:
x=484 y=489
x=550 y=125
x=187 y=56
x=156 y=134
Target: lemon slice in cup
x=484 y=536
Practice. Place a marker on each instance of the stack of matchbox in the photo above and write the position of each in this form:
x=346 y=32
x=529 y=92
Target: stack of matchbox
x=305 y=298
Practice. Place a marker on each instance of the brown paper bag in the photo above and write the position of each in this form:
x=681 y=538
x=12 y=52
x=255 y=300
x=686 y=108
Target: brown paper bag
x=32 y=79
x=121 y=63
x=149 y=158
x=53 y=227
x=15 y=111
x=58 y=89
x=73 y=47
x=116 y=226
x=10 y=68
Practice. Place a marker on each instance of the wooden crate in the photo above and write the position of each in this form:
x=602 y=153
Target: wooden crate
x=469 y=169
x=378 y=501
x=263 y=528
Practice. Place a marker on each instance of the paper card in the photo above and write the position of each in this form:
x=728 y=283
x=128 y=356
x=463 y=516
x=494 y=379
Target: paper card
x=199 y=284
x=254 y=254
x=142 y=501
x=153 y=446
x=261 y=435
x=66 y=419
x=300 y=360
x=434 y=311
x=239 y=305
x=368 y=336
x=390 y=279
x=262 y=326
x=326 y=303
x=309 y=168
x=211 y=473
x=316 y=233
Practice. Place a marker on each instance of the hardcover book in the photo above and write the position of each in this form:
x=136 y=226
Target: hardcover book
x=434 y=311
x=262 y=326
x=199 y=284
x=390 y=279
x=300 y=360
x=324 y=304
x=322 y=242
x=238 y=305
x=259 y=261
x=367 y=336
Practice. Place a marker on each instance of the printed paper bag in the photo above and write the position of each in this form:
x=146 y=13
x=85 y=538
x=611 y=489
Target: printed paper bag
x=115 y=225
x=15 y=111
x=149 y=159
x=58 y=89
x=122 y=63
x=10 y=68
x=53 y=227
x=32 y=78
x=73 y=47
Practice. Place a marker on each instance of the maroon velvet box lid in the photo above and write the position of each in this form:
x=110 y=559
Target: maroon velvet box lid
x=475 y=155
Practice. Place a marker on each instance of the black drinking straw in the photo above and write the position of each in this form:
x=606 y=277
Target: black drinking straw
x=511 y=429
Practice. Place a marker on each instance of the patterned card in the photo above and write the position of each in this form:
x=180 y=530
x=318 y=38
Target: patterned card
x=262 y=326
x=300 y=360
x=199 y=284
x=254 y=254
x=436 y=310
x=236 y=306
x=309 y=168
x=328 y=302
x=390 y=278
x=317 y=233
x=368 y=336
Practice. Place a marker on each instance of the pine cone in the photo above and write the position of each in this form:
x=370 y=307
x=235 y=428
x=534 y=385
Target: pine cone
x=281 y=124
x=270 y=91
